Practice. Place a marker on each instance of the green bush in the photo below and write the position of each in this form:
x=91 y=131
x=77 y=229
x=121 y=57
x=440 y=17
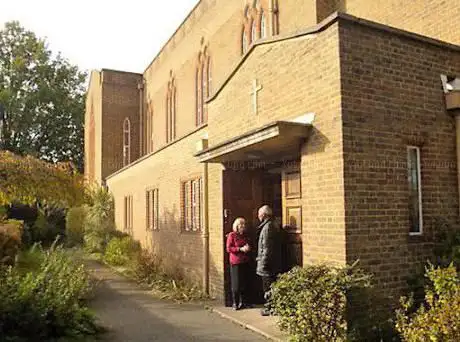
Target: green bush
x=311 y=301
x=10 y=240
x=121 y=251
x=45 y=303
x=99 y=222
x=75 y=225
x=438 y=319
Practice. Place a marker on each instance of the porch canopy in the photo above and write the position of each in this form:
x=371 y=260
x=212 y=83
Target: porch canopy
x=279 y=140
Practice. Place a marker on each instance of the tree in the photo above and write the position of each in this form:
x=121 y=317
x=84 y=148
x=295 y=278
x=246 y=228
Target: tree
x=29 y=180
x=43 y=99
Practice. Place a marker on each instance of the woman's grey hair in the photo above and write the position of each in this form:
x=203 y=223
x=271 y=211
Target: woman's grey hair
x=265 y=209
x=237 y=223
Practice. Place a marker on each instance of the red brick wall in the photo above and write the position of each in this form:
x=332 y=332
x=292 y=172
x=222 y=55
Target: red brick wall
x=392 y=97
x=120 y=100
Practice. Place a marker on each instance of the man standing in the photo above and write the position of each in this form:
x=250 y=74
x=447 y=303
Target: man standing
x=268 y=252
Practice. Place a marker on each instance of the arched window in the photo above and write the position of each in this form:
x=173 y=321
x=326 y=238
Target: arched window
x=253 y=32
x=203 y=85
x=263 y=26
x=209 y=66
x=244 y=40
x=171 y=111
x=256 y=24
x=126 y=142
x=199 y=104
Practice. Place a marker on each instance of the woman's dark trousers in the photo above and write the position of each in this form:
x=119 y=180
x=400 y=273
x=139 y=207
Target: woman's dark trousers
x=239 y=275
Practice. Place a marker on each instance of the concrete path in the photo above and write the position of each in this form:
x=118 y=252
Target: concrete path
x=132 y=314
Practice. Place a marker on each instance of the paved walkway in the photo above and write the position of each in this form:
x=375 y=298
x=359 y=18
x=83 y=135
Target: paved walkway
x=132 y=314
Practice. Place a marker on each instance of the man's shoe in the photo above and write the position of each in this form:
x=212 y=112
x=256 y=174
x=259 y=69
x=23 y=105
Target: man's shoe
x=235 y=307
x=245 y=306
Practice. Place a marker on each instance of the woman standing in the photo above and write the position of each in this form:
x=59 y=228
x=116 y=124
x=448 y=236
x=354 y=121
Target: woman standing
x=238 y=249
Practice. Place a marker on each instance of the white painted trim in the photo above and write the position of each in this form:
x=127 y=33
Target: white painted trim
x=419 y=183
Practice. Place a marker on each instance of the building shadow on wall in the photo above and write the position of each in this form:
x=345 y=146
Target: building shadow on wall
x=315 y=143
x=180 y=251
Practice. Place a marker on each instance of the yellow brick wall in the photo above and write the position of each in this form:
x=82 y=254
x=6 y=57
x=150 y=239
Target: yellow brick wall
x=164 y=171
x=434 y=18
x=298 y=76
x=217 y=25
x=392 y=97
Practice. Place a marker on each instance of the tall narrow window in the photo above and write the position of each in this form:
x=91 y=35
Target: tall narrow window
x=263 y=27
x=202 y=91
x=209 y=67
x=199 y=107
x=253 y=32
x=171 y=111
x=152 y=210
x=192 y=193
x=126 y=142
x=244 y=40
x=415 y=192
x=128 y=215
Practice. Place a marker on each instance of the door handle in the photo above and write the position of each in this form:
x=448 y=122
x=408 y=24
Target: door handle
x=226 y=213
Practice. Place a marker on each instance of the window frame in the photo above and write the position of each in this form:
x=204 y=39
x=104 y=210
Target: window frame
x=126 y=142
x=152 y=209
x=419 y=188
x=128 y=215
x=263 y=25
x=171 y=107
x=192 y=205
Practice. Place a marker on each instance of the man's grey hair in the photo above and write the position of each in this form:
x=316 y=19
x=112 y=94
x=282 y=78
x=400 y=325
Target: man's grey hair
x=265 y=209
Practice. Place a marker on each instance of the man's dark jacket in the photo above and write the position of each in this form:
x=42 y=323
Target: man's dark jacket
x=269 y=249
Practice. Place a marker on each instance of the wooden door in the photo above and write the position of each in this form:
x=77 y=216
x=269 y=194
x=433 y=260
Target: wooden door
x=242 y=198
x=292 y=216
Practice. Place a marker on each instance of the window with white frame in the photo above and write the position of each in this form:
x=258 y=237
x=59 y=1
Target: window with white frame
x=126 y=142
x=152 y=209
x=415 y=191
x=192 y=205
x=263 y=26
x=244 y=43
x=253 y=32
x=128 y=215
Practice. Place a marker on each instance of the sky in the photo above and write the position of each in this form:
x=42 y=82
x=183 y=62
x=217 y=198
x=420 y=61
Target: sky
x=94 y=34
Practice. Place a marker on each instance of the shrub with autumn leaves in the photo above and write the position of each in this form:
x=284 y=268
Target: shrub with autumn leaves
x=28 y=180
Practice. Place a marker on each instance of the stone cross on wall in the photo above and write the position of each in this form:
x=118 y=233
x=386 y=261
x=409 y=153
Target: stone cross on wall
x=255 y=89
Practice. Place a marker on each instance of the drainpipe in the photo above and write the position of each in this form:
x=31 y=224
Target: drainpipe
x=205 y=234
x=140 y=86
x=453 y=106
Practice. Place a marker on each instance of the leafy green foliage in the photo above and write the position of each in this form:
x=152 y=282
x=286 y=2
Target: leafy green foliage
x=10 y=240
x=438 y=319
x=43 y=99
x=311 y=301
x=99 y=222
x=121 y=251
x=75 y=225
x=47 y=302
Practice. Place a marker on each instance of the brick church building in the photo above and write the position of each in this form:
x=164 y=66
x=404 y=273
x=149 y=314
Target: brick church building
x=340 y=114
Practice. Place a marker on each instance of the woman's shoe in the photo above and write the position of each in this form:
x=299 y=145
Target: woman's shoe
x=235 y=307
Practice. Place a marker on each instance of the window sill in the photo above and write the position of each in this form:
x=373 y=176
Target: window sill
x=418 y=238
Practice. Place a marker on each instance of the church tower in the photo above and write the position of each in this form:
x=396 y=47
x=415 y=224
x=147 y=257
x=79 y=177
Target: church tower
x=112 y=122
